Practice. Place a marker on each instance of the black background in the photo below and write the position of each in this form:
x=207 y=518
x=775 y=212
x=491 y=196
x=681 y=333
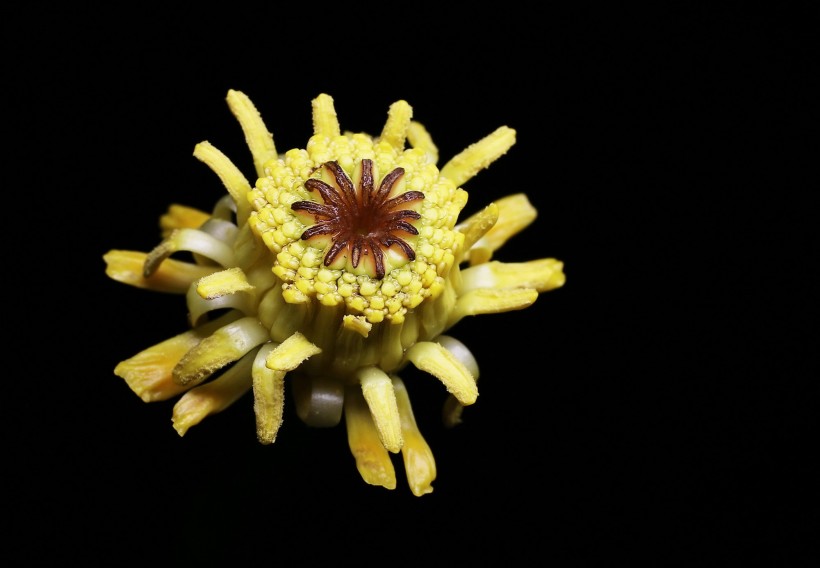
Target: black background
x=640 y=413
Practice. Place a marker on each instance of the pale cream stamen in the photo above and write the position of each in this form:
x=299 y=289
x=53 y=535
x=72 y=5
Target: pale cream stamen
x=190 y=240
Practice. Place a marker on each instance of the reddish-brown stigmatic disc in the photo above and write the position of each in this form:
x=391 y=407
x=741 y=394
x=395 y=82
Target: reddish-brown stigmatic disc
x=362 y=222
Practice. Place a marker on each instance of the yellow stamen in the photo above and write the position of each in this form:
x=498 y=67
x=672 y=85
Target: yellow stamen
x=398 y=119
x=291 y=353
x=325 y=122
x=419 y=138
x=218 y=284
x=359 y=324
x=233 y=180
x=465 y=165
x=259 y=140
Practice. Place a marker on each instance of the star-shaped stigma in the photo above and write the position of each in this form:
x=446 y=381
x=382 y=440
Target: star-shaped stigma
x=364 y=221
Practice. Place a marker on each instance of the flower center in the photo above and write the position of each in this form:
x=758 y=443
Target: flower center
x=360 y=221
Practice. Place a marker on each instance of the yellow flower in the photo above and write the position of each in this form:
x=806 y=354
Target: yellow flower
x=344 y=262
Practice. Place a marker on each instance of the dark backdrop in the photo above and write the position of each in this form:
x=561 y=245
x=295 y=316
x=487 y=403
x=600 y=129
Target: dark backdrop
x=638 y=413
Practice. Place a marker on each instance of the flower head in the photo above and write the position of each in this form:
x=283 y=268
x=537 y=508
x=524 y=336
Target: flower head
x=343 y=263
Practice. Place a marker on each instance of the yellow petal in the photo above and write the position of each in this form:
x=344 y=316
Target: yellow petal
x=477 y=225
x=419 y=464
x=432 y=358
x=213 y=397
x=172 y=276
x=515 y=213
x=372 y=459
x=149 y=372
x=452 y=409
x=377 y=389
x=181 y=217
x=543 y=275
x=268 y=396
x=490 y=301
x=224 y=346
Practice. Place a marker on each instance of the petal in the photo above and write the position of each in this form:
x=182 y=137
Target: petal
x=515 y=213
x=490 y=301
x=268 y=396
x=224 y=346
x=419 y=464
x=181 y=217
x=372 y=459
x=377 y=389
x=452 y=409
x=477 y=225
x=544 y=274
x=172 y=276
x=213 y=397
x=149 y=372
x=432 y=358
